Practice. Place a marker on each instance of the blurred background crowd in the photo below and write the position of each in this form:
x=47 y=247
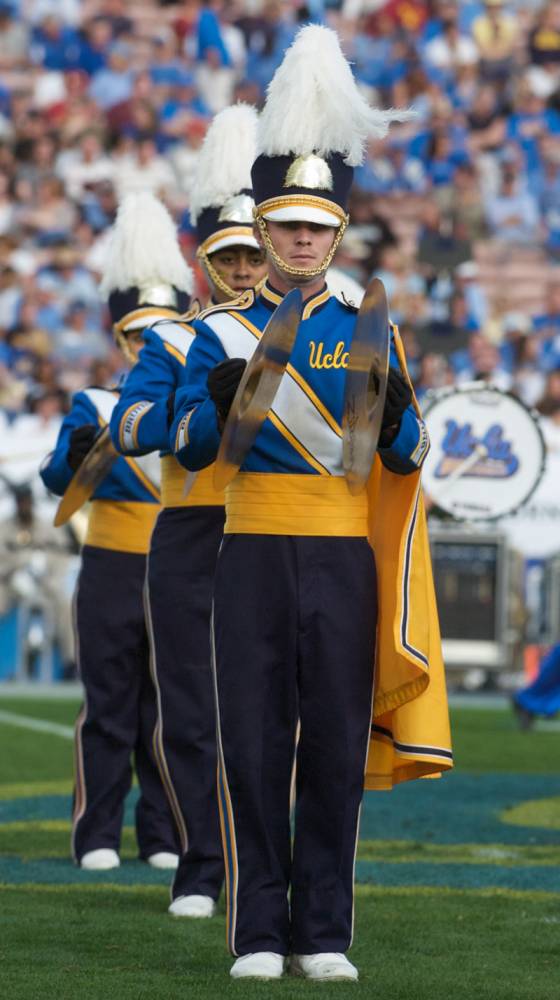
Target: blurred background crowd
x=458 y=211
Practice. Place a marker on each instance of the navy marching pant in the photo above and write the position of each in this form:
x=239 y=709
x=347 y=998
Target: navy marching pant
x=180 y=581
x=294 y=632
x=118 y=717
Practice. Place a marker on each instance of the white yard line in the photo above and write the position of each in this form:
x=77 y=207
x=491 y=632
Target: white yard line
x=59 y=691
x=546 y=726
x=38 y=725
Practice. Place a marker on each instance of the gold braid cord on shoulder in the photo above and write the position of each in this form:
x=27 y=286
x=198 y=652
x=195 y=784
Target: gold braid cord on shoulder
x=299 y=272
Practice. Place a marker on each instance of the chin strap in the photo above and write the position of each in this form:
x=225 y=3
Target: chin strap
x=121 y=341
x=299 y=272
x=217 y=279
x=133 y=322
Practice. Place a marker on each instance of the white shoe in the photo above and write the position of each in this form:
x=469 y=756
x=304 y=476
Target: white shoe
x=258 y=965
x=101 y=860
x=163 y=859
x=192 y=906
x=323 y=966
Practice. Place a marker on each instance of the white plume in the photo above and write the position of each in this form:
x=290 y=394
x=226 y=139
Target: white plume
x=143 y=248
x=314 y=106
x=224 y=165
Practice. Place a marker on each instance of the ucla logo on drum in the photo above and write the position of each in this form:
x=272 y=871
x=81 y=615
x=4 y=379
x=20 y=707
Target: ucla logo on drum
x=497 y=460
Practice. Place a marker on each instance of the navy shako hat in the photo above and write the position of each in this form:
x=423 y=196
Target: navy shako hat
x=145 y=276
x=158 y=298
x=222 y=200
x=286 y=185
x=229 y=224
x=312 y=132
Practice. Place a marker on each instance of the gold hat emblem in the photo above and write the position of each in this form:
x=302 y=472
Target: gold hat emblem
x=238 y=208
x=157 y=295
x=309 y=172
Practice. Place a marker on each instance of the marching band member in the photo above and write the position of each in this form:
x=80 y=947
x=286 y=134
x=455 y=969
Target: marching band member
x=189 y=529
x=305 y=565
x=143 y=282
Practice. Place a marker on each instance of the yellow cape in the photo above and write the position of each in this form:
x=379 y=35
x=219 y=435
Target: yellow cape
x=410 y=736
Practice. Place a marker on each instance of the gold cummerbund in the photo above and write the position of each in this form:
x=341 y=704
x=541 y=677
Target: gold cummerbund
x=121 y=526
x=267 y=503
x=202 y=492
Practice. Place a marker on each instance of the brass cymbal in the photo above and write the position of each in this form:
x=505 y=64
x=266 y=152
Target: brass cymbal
x=87 y=477
x=366 y=386
x=258 y=387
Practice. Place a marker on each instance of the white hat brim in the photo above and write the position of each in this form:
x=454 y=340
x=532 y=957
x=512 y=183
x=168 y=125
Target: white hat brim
x=302 y=213
x=233 y=241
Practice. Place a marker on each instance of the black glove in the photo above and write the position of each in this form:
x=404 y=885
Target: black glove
x=222 y=384
x=81 y=441
x=398 y=398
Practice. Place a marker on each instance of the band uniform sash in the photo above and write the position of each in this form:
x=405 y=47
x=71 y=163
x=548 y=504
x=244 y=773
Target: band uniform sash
x=267 y=503
x=174 y=479
x=121 y=526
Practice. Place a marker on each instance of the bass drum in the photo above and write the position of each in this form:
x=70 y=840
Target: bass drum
x=487 y=452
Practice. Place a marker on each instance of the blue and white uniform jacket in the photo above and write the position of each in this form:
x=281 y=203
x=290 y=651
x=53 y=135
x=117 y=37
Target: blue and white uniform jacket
x=302 y=435
x=139 y=423
x=125 y=504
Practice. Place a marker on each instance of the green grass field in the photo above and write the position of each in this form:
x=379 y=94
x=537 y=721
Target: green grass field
x=458 y=892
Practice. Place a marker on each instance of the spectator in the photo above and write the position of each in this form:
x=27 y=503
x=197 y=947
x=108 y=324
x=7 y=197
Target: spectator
x=80 y=342
x=405 y=287
x=512 y=214
x=371 y=227
x=146 y=171
x=519 y=352
x=450 y=333
x=215 y=75
x=94 y=43
x=66 y=279
x=480 y=362
x=112 y=83
x=14 y=39
x=547 y=327
x=389 y=169
x=52 y=216
x=544 y=39
x=495 y=34
x=467 y=283
x=7 y=210
x=434 y=373
x=486 y=120
x=55 y=46
x=86 y=165
x=450 y=50
x=442 y=245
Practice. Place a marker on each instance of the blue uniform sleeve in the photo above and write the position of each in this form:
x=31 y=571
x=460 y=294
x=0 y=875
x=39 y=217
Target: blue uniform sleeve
x=195 y=438
x=409 y=448
x=139 y=420
x=55 y=471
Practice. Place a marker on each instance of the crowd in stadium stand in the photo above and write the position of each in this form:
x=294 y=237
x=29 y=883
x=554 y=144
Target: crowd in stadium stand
x=458 y=211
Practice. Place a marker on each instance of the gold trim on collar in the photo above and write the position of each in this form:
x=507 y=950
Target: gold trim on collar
x=271 y=296
x=314 y=302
